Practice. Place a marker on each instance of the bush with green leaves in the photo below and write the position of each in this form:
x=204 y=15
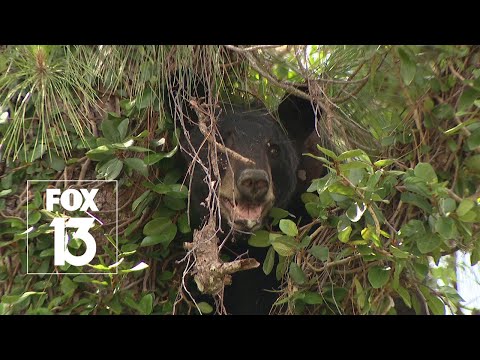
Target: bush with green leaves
x=400 y=196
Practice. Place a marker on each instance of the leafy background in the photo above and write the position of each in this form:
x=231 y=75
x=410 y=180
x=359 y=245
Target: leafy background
x=401 y=197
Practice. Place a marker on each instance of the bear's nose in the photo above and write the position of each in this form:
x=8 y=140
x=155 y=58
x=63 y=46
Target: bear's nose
x=253 y=184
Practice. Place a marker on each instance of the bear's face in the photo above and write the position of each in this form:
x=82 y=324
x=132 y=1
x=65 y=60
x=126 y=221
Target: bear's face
x=248 y=190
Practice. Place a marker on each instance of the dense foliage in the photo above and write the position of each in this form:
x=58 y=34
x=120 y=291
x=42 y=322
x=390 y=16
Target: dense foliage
x=401 y=195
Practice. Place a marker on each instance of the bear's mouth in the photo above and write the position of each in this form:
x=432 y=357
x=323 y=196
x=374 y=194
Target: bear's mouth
x=244 y=215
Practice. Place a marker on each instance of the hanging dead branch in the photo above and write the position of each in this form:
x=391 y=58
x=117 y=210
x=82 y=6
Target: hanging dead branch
x=210 y=273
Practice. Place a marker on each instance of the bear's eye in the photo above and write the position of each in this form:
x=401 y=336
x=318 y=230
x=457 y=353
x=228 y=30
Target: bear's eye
x=274 y=149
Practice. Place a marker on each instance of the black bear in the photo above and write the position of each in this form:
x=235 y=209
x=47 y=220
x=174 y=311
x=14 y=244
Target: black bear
x=250 y=189
x=276 y=176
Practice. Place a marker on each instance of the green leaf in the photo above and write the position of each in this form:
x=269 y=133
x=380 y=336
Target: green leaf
x=444 y=111
x=309 y=197
x=355 y=211
x=6 y=181
x=56 y=162
x=446 y=228
x=416 y=200
x=15 y=299
x=404 y=295
x=151 y=159
x=412 y=228
x=408 y=67
x=67 y=286
x=111 y=169
x=378 y=276
x=421 y=270
x=139 y=267
x=344 y=229
x=436 y=305
x=312 y=298
x=467 y=98
x=305 y=242
x=284 y=246
x=177 y=191
x=146 y=99
x=398 y=253
x=320 y=185
x=47 y=253
x=100 y=153
x=458 y=127
x=465 y=206
x=288 y=227
x=139 y=149
x=38 y=151
x=473 y=140
x=344 y=234
x=447 y=205
x=426 y=172
x=173 y=176
x=399 y=266
x=428 y=242
x=259 y=238
x=34 y=217
x=156 y=226
x=320 y=252
x=164 y=238
x=123 y=128
x=369 y=233
x=110 y=131
x=140 y=199
x=360 y=293
x=354 y=165
x=314 y=209
x=145 y=306
x=174 y=203
x=336 y=295
x=131 y=302
x=182 y=224
x=338 y=188
x=327 y=152
x=5 y=192
x=205 y=308
x=469 y=217
x=296 y=273
x=82 y=279
x=383 y=163
x=269 y=261
x=277 y=214
x=281 y=267
x=417 y=186
x=472 y=163
x=350 y=154
x=137 y=164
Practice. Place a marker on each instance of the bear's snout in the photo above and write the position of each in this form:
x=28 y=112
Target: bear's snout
x=253 y=184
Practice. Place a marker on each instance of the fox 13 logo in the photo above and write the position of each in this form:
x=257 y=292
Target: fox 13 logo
x=71 y=215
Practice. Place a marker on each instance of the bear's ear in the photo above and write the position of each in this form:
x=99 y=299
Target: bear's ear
x=297 y=116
